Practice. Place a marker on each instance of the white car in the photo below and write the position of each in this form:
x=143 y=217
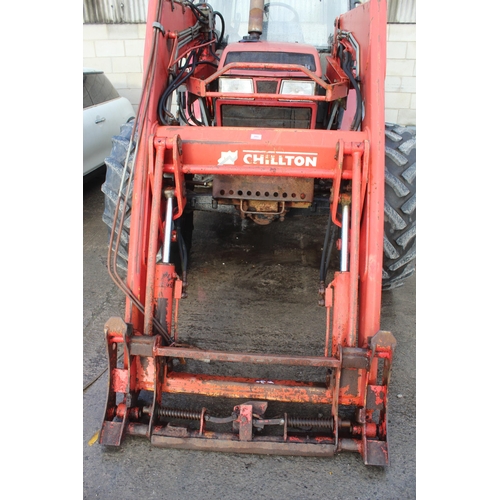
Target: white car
x=104 y=112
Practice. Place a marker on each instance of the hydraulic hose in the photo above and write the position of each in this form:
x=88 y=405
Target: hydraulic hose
x=222 y=29
x=347 y=65
x=182 y=250
x=328 y=245
x=322 y=273
x=192 y=62
x=174 y=85
x=117 y=231
x=196 y=11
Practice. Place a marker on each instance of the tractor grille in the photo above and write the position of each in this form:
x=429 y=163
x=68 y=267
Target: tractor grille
x=267 y=86
x=234 y=115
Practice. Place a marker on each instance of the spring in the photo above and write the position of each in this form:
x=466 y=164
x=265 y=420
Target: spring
x=323 y=423
x=171 y=413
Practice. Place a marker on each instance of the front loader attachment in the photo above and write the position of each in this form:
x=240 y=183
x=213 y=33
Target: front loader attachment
x=148 y=364
x=349 y=383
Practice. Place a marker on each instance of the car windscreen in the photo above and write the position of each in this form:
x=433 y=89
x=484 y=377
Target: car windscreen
x=97 y=89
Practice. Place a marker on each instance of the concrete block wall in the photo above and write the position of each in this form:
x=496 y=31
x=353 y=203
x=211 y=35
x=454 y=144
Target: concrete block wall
x=401 y=74
x=117 y=49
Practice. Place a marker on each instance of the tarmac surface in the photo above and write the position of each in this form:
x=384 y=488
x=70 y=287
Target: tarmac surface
x=250 y=288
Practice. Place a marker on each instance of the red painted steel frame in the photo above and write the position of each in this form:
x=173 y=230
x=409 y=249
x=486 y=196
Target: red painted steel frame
x=372 y=44
x=371 y=39
x=354 y=343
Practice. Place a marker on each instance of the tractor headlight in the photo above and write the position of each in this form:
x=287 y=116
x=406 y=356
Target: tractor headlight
x=297 y=87
x=236 y=85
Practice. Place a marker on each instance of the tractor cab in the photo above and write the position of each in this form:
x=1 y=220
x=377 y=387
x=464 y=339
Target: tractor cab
x=276 y=76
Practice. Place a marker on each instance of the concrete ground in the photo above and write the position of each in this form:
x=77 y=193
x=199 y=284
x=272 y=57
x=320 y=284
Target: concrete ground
x=250 y=288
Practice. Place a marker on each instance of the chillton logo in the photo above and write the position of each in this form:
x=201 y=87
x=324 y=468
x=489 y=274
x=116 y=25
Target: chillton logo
x=283 y=159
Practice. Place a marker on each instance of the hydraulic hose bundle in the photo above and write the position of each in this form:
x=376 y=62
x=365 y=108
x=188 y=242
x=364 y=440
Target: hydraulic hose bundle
x=205 y=24
x=347 y=65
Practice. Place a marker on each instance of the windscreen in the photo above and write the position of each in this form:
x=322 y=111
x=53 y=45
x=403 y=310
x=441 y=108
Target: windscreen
x=296 y=21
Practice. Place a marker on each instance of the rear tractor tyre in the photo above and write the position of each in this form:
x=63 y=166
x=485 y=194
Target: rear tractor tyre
x=400 y=206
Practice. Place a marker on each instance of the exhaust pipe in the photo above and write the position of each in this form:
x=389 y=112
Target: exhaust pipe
x=255 y=19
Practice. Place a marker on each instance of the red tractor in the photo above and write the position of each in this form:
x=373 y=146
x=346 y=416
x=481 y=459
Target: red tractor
x=259 y=114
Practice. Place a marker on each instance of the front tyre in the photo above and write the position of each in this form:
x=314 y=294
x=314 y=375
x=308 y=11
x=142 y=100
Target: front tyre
x=115 y=165
x=113 y=189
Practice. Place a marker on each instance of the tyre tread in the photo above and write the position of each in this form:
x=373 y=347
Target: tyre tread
x=399 y=206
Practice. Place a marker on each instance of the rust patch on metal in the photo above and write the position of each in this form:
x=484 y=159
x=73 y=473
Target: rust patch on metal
x=171 y=430
x=376 y=453
x=119 y=380
x=349 y=382
x=277 y=390
x=375 y=397
x=245 y=421
x=142 y=345
x=261 y=187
